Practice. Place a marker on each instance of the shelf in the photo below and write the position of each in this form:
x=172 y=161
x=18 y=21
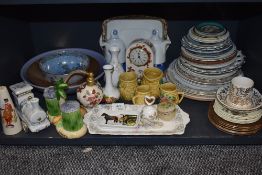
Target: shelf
x=30 y=27
x=34 y=2
x=198 y=131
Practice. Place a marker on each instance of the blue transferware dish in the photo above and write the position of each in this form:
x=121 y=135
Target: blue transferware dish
x=59 y=64
x=32 y=74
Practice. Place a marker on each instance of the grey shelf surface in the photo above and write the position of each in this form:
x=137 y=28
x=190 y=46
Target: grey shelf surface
x=198 y=131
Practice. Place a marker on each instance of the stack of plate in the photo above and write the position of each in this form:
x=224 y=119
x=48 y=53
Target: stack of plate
x=233 y=120
x=209 y=59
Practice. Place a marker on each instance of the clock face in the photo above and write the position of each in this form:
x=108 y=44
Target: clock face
x=139 y=56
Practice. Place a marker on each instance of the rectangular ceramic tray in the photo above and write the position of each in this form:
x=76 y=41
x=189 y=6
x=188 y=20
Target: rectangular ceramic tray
x=97 y=124
x=198 y=131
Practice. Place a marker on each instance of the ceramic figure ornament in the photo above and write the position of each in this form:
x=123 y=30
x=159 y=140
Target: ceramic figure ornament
x=10 y=121
x=72 y=125
x=21 y=91
x=111 y=93
x=33 y=116
x=149 y=116
x=89 y=93
x=114 y=41
x=52 y=104
x=118 y=69
x=148 y=111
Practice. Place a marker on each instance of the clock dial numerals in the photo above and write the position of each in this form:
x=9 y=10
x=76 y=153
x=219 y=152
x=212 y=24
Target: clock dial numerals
x=139 y=56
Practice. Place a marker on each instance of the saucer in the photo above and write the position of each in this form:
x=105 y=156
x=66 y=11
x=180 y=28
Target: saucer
x=232 y=128
x=242 y=117
x=256 y=99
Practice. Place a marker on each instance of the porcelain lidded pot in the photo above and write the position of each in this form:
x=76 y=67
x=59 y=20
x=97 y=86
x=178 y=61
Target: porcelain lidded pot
x=149 y=111
x=89 y=93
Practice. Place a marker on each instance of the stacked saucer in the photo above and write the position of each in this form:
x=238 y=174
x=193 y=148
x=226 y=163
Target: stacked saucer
x=237 y=119
x=208 y=60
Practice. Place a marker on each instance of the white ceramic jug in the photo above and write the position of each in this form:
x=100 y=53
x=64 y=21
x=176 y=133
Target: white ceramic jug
x=160 y=47
x=114 y=41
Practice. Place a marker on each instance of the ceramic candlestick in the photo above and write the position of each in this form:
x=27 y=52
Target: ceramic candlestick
x=118 y=69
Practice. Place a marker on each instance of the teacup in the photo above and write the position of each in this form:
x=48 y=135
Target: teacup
x=240 y=93
x=169 y=92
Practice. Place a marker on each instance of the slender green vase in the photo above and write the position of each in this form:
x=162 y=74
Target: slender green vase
x=71 y=116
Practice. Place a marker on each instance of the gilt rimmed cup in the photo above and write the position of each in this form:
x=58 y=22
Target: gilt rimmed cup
x=240 y=93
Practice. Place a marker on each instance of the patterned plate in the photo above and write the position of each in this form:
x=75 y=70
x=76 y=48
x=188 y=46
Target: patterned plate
x=232 y=128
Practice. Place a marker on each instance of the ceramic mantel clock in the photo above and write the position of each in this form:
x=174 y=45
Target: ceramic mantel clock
x=142 y=41
x=139 y=55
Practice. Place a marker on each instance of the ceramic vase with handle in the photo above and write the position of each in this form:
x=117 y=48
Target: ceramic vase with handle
x=89 y=93
x=161 y=45
x=118 y=69
x=111 y=93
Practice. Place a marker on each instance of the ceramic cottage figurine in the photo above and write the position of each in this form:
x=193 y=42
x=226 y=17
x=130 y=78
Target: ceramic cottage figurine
x=72 y=125
x=111 y=93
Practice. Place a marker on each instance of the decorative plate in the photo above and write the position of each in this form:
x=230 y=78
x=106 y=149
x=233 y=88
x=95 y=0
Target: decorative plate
x=222 y=93
x=208 y=39
x=232 y=128
x=96 y=122
x=32 y=74
x=240 y=117
x=210 y=29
